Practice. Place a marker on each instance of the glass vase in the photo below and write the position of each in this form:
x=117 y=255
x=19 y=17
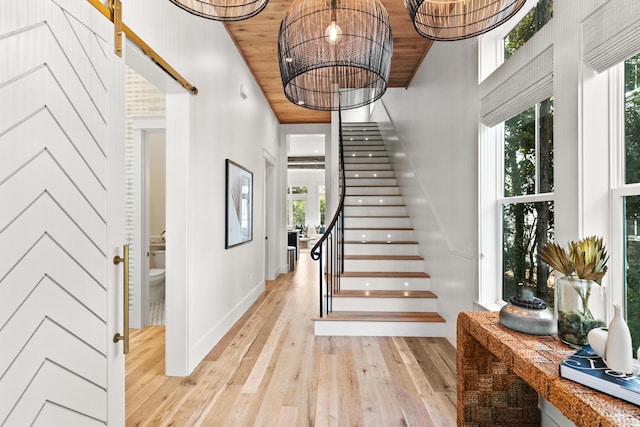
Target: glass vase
x=580 y=306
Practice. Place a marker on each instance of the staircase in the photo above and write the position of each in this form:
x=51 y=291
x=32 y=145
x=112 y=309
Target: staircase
x=384 y=290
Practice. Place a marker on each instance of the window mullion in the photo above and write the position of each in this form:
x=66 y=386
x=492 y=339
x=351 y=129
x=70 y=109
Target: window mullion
x=537 y=149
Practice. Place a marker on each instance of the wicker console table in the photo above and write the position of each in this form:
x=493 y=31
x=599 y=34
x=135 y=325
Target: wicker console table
x=501 y=372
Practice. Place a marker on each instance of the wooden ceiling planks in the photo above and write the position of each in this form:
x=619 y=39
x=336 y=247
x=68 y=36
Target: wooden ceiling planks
x=257 y=41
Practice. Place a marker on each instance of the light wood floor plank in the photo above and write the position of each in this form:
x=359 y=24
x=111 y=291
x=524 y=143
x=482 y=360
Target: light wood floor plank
x=270 y=370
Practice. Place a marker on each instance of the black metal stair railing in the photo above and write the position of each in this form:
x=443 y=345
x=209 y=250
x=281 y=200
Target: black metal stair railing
x=329 y=250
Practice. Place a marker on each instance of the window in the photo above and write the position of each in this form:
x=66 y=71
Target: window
x=527 y=200
x=322 y=202
x=296 y=206
x=527 y=27
x=631 y=201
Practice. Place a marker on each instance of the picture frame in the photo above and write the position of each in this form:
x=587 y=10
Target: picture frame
x=239 y=205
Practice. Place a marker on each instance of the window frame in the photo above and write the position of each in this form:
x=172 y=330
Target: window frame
x=290 y=198
x=322 y=192
x=492 y=200
x=619 y=188
x=491 y=44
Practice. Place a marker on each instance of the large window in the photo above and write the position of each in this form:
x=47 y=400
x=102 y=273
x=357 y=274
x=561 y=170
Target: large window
x=527 y=201
x=632 y=200
x=322 y=203
x=297 y=206
x=530 y=24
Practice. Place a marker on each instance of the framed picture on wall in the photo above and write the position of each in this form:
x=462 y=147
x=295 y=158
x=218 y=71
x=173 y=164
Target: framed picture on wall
x=239 y=204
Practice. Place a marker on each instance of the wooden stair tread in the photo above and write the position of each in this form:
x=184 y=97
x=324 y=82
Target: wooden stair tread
x=371 y=206
x=372 y=194
x=370 y=171
x=379 y=228
x=376 y=216
x=371 y=186
x=361 y=293
x=396 y=274
x=379 y=242
x=385 y=257
x=384 y=316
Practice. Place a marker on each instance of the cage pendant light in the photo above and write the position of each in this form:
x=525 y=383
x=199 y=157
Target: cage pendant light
x=459 y=19
x=334 y=54
x=222 y=10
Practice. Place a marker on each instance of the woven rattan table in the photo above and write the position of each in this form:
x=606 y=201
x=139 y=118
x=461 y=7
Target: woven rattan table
x=501 y=372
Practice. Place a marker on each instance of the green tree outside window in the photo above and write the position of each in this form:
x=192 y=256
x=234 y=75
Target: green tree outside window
x=530 y=24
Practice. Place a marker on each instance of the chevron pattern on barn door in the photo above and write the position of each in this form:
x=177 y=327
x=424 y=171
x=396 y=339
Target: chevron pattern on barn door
x=53 y=178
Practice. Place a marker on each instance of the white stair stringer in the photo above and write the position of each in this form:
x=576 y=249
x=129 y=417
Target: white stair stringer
x=384 y=290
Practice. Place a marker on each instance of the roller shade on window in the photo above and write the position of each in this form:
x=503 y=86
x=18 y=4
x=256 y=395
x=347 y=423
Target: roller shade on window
x=611 y=34
x=530 y=84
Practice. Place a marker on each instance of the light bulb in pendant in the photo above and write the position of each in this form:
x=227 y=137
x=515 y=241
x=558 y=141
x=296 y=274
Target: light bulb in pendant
x=333 y=33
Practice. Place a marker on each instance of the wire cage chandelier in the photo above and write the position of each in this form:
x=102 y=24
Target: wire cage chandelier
x=223 y=10
x=334 y=54
x=444 y=20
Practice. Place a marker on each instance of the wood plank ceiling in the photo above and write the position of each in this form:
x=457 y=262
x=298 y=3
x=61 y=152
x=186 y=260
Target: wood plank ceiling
x=257 y=40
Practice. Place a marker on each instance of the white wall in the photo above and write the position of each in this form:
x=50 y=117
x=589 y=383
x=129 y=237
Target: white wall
x=157 y=187
x=208 y=287
x=436 y=166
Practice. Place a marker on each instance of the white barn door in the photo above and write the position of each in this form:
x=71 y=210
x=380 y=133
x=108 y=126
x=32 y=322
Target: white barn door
x=60 y=162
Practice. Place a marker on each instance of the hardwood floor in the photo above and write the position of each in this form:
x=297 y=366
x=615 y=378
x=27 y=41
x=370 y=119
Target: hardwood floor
x=270 y=370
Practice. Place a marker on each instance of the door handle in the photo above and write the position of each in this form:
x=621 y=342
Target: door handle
x=125 y=260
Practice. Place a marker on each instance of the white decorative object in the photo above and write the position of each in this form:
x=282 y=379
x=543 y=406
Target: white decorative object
x=618 y=350
x=597 y=338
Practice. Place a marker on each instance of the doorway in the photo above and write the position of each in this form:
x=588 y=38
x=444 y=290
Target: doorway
x=144 y=117
x=269 y=214
x=150 y=229
x=161 y=106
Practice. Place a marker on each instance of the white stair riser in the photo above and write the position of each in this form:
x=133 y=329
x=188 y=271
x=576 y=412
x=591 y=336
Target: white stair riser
x=384 y=304
x=363 y=150
x=386 y=191
x=367 y=166
x=385 y=283
x=380 y=249
x=360 y=235
x=375 y=210
x=360 y=135
x=413 y=265
x=376 y=222
x=379 y=329
x=374 y=200
x=369 y=174
x=362 y=158
x=375 y=182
